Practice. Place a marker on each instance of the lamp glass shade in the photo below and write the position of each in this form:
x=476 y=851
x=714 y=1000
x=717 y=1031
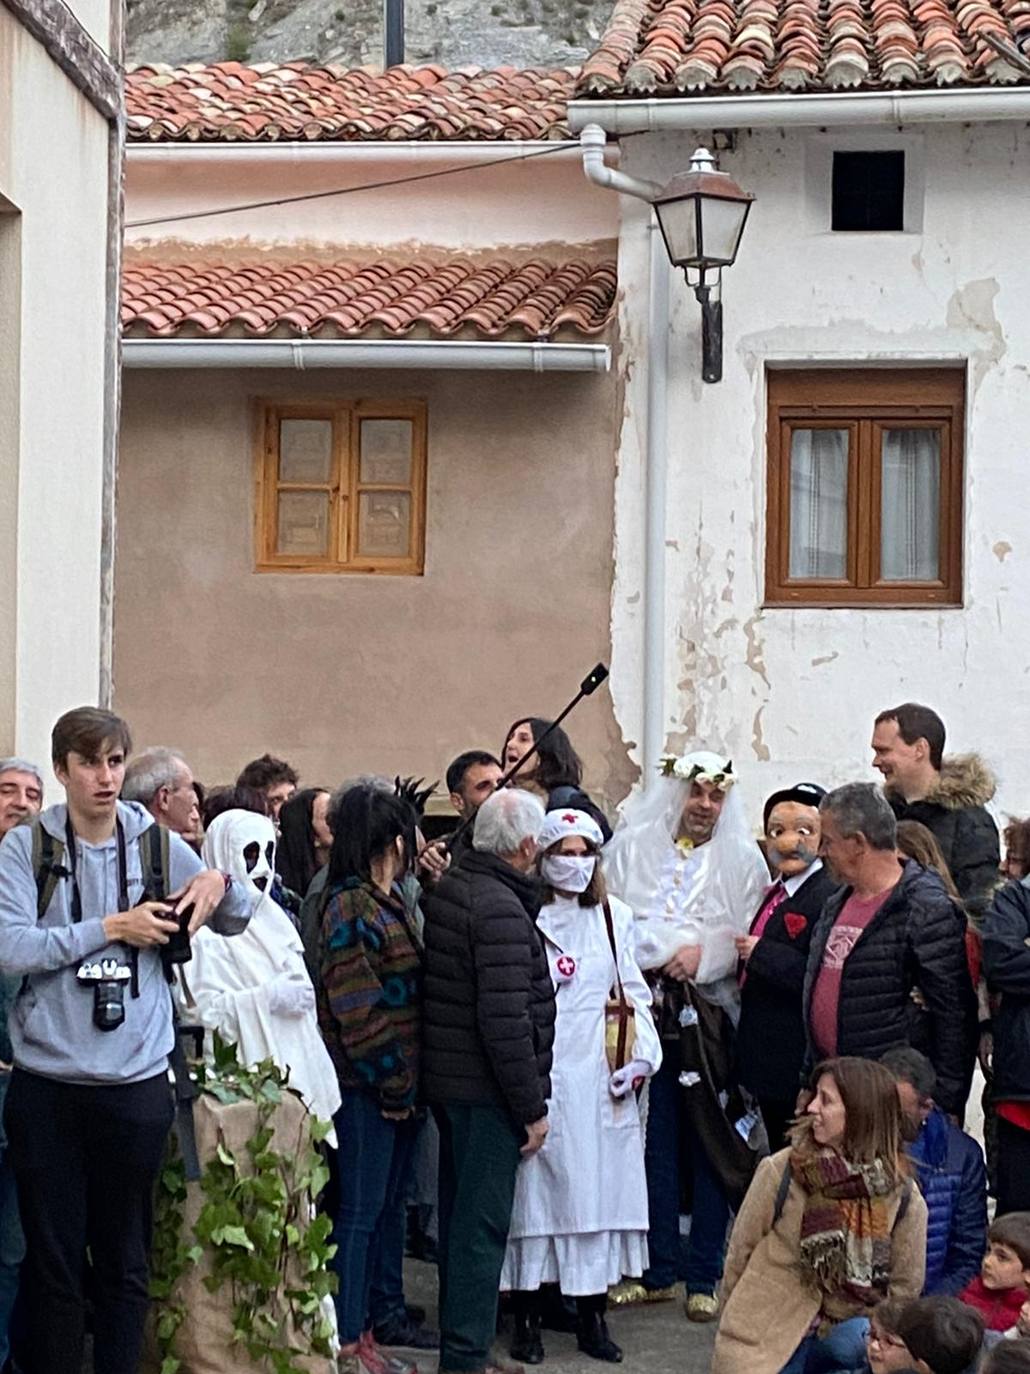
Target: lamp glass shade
x=702 y=215
x=678 y=220
x=722 y=224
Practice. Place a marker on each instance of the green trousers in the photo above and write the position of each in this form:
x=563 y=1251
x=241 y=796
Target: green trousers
x=479 y=1154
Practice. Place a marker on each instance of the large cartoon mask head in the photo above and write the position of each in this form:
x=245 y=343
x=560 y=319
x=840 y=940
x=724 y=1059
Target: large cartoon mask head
x=242 y=844
x=792 y=828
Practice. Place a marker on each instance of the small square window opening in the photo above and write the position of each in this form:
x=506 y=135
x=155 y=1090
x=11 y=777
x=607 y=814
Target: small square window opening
x=868 y=191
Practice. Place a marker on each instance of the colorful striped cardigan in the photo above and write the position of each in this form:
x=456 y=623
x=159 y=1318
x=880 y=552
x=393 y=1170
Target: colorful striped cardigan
x=370 y=994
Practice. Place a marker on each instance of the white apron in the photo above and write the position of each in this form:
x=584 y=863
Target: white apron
x=580 y=1213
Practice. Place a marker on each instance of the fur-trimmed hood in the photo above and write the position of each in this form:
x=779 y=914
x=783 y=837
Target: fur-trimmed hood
x=965 y=781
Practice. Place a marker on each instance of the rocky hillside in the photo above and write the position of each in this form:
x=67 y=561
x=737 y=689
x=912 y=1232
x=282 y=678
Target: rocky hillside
x=349 y=32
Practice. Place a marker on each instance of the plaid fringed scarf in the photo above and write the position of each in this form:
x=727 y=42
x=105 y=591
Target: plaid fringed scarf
x=845 y=1231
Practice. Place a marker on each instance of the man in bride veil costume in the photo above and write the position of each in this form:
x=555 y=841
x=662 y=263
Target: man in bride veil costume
x=685 y=860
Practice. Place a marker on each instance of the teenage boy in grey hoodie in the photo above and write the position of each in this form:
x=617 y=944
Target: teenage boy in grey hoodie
x=89 y=1110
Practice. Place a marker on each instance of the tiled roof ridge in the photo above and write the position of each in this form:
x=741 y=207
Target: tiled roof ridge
x=306 y=101
x=685 y=47
x=461 y=294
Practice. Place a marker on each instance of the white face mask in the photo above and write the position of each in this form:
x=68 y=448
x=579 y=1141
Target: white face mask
x=569 y=872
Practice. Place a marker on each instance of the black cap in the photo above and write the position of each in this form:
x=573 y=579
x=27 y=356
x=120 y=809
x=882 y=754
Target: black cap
x=805 y=793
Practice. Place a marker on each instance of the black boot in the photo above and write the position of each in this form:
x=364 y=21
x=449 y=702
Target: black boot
x=557 y=1312
x=526 y=1345
x=592 y=1333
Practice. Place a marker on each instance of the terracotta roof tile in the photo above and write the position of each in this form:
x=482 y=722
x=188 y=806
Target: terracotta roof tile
x=683 y=47
x=267 y=102
x=484 y=297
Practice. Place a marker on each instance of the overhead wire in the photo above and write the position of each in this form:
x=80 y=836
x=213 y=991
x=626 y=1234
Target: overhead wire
x=344 y=190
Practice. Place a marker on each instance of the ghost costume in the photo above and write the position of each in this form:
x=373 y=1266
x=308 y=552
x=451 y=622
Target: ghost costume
x=580 y=1211
x=255 y=991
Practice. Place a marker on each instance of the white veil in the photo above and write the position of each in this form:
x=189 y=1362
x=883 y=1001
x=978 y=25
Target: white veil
x=722 y=884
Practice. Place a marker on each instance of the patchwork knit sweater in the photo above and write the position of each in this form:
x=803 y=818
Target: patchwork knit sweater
x=369 y=994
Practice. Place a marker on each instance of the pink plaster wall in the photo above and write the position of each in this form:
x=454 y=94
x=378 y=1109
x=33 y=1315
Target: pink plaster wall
x=347 y=673
x=543 y=200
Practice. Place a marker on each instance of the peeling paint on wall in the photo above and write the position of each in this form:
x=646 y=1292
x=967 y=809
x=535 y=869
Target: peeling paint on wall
x=755 y=649
x=972 y=306
x=758 y=744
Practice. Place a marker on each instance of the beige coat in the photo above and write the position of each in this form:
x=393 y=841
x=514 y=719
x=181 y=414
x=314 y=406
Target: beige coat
x=766 y=1308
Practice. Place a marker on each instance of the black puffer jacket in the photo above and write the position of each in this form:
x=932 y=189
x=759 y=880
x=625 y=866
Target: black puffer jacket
x=956 y=813
x=488 y=1000
x=1006 y=945
x=915 y=940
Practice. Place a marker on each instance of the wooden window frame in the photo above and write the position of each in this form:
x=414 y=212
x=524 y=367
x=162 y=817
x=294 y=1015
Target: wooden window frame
x=865 y=401
x=344 y=486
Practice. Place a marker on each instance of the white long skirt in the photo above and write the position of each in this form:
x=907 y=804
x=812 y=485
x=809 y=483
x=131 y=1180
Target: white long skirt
x=582 y=1264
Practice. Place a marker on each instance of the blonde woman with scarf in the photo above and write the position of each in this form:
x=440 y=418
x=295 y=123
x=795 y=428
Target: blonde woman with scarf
x=830 y=1227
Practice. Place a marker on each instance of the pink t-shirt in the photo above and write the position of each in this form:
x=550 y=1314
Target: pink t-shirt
x=855 y=915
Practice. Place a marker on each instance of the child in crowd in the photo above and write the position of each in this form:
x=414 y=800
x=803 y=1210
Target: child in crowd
x=940 y=1336
x=1008 y=1357
x=1004 y=1283
x=886 y=1352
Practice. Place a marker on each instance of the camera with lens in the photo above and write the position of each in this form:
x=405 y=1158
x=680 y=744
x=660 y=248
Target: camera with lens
x=177 y=950
x=107 y=977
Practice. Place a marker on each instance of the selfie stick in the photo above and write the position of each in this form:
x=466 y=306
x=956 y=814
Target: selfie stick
x=587 y=687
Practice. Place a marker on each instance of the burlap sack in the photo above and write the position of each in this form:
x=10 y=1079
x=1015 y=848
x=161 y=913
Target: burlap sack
x=204 y=1341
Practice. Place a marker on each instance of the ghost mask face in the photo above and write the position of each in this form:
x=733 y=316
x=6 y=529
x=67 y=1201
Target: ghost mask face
x=242 y=844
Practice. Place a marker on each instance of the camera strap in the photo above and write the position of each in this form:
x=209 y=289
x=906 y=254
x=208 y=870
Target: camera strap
x=123 y=887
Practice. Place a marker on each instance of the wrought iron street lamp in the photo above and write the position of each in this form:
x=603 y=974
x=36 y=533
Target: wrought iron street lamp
x=702 y=213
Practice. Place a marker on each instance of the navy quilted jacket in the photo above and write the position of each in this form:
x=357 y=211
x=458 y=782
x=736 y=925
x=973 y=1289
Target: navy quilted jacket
x=953 y=1180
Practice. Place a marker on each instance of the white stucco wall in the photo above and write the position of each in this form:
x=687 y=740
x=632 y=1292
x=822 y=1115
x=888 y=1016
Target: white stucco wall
x=791 y=693
x=53 y=178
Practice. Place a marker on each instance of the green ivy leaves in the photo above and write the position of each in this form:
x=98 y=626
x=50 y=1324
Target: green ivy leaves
x=255 y=1229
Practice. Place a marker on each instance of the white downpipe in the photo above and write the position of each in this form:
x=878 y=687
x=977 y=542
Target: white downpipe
x=835 y=108
x=301 y=354
x=655 y=496
x=592 y=141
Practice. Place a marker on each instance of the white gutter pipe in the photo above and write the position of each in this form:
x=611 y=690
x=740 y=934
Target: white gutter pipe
x=302 y=354
x=655 y=485
x=215 y=154
x=592 y=142
x=749 y=111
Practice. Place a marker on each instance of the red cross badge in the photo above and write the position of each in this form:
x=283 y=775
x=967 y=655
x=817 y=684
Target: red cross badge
x=565 y=967
x=570 y=818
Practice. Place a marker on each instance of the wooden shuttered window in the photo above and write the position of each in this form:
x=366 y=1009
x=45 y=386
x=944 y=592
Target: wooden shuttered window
x=341 y=488
x=865 y=487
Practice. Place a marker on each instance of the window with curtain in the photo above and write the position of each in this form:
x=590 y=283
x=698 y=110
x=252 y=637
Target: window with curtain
x=341 y=488
x=865 y=487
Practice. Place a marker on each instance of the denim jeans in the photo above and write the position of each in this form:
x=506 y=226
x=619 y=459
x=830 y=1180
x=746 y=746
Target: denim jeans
x=670 y=1138
x=374 y=1159
x=843 y=1349
x=12 y=1241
